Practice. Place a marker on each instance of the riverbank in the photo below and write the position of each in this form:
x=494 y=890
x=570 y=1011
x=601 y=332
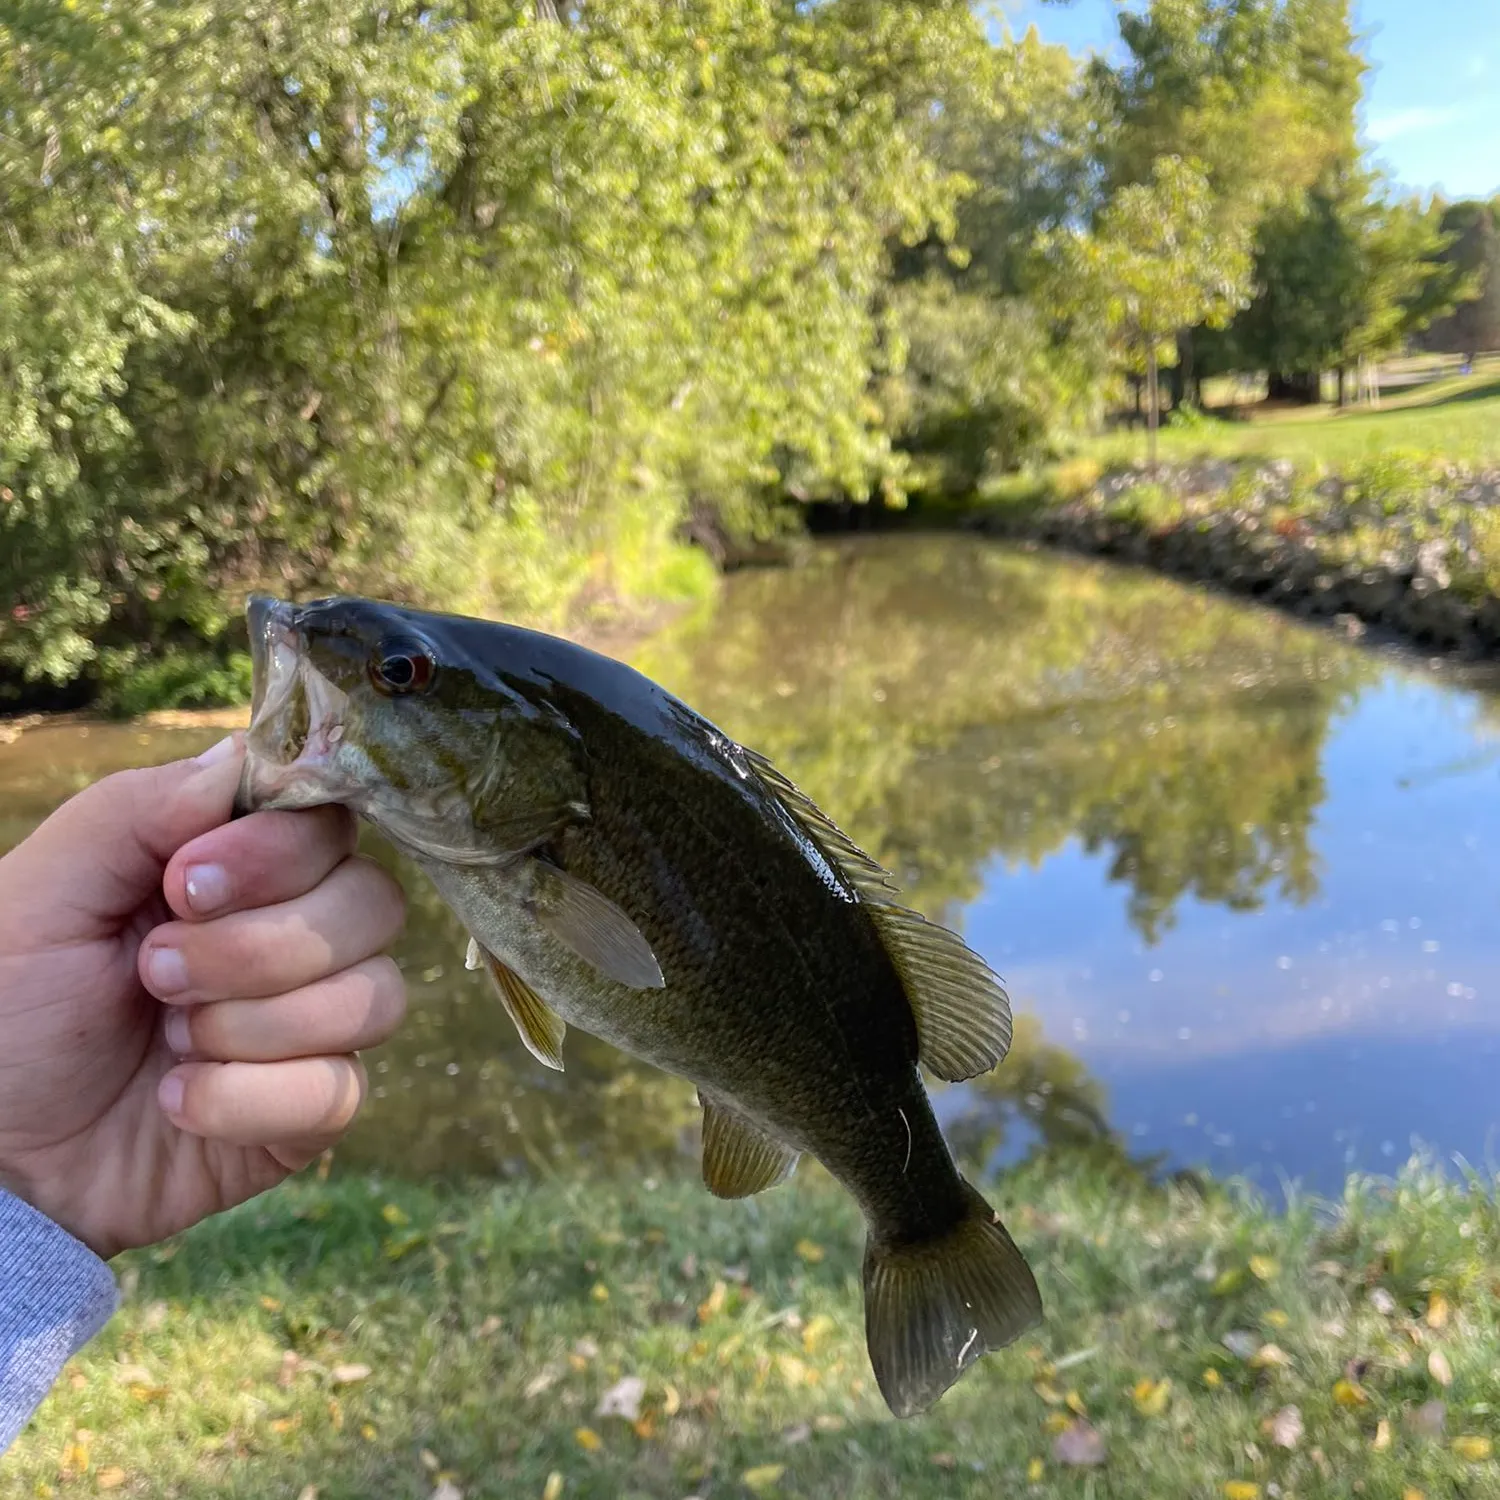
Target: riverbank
x=574 y=1338
x=1408 y=544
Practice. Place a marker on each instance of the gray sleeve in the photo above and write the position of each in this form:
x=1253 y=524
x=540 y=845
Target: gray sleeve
x=55 y=1295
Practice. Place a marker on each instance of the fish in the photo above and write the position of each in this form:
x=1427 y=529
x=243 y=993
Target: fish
x=624 y=867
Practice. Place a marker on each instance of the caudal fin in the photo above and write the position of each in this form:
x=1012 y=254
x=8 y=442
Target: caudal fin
x=931 y=1309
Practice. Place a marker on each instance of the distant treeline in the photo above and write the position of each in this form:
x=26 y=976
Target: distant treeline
x=473 y=302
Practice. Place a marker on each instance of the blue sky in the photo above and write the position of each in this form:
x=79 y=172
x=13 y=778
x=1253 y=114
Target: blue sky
x=1432 y=107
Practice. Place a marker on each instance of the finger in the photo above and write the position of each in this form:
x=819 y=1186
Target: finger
x=347 y=1012
x=345 y=919
x=130 y=823
x=265 y=1104
x=260 y=860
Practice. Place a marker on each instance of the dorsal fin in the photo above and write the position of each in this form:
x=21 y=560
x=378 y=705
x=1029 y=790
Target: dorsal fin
x=961 y=1009
x=866 y=875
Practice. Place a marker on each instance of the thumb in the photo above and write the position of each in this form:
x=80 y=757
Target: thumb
x=102 y=853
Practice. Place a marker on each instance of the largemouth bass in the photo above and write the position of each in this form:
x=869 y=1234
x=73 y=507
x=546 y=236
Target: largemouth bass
x=626 y=868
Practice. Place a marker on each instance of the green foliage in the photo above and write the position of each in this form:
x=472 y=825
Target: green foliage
x=178 y=678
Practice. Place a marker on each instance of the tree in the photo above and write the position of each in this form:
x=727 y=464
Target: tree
x=1156 y=262
x=1474 y=326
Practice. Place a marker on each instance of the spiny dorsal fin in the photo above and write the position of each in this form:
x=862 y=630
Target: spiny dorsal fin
x=588 y=922
x=863 y=873
x=739 y=1159
x=541 y=1029
x=962 y=1011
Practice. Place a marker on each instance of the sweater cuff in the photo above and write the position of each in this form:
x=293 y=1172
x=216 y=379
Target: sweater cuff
x=55 y=1295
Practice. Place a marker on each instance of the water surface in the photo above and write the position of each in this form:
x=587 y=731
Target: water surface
x=1240 y=876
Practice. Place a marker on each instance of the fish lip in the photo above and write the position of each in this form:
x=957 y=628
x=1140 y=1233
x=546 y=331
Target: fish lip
x=282 y=669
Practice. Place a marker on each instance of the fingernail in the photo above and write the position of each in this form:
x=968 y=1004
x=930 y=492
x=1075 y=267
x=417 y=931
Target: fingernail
x=179 y=1037
x=207 y=887
x=166 y=971
x=216 y=753
x=169 y=1094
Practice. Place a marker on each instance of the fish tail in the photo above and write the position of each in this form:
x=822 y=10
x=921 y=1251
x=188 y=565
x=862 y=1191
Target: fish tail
x=934 y=1306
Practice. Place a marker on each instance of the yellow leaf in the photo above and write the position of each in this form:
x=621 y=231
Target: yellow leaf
x=588 y=1439
x=763 y=1477
x=671 y=1402
x=825 y=1421
x=270 y=1304
x=1263 y=1267
x=147 y=1392
x=1270 y=1356
x=1227 y=1281
x=1472 y=1448
x=1411 y=1494
x=367 y=1432
x=1074 y=1403
x=1277 y=1318
x=818 y=1328
x=811 y=1252
x=1212 y=1379
x=111 y=1478
x=336 y=1414
x=1439 y=1368
x=1150 y=1396
x=1048 y=1392
x=713 y=1303
x=395 y=1215
x=599 y=1292
x=1346 y=1393
x=1056 y=1422
x=553 y=1487
x=1034 y=1470
x=1438 y=1311
x=793 y=1371
x=349 y=1374
x=1382 y=1439
x=286 y=1424
x=1241 y=1489
x=645 y=1429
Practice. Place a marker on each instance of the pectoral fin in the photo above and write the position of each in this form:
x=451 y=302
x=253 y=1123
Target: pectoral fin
x=442 y=829
x=738 y=1159
x=540 y=1028
x=588 y=922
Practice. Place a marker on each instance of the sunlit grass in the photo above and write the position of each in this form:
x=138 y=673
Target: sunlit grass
x=370 y=1339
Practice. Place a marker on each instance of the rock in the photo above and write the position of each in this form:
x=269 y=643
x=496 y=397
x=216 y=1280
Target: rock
x=1432 y=563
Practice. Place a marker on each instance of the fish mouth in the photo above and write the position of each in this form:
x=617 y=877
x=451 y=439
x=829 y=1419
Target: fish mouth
x=296 y=717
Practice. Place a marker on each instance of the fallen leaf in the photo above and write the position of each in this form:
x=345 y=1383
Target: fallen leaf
x=285 y=1424
x=1472 y=1448
x=944 y=1461
x=810 y=1251
x=1410 y=1494
x=395 y=1216
x=1277 y=1318
x=818 y=1328
x=1264 y=1267
x=1151 y=1396
x=1428 y=1420
x=599 y=1292
x=111 y=1478
x=798 y=1434
x=645 y=1429
x=1382 y=1438
x=1080 y=1446
x=622 y=1399
x=586 y=1349
x=763 y=1477
x=1270 y=1357
x=1347 y=1394
x=430 y=1461
x=368 y=1432
x=671 y=1402
x=1285 y=1428
x=1437 y=1311
x=308 y=1492
x=1227 y=1281
x=541 y=1381
x=148 y=1392
x=349 y=1374
x=1034 y=1471
x=1056 y=1422
x=588 y=1439
x=1382 y=1301
x=1048 y=1392
x=446 y=1490
x=793 y=1371
x=1212 y=1379
x=1074 y=1402
x=826 y=1422
x=135 y=1375
x=713 y=1303
x=1241 y=1489
x=1439 y=1368
x=1240 y=1343
x=489 y=1327
x=553 y=1488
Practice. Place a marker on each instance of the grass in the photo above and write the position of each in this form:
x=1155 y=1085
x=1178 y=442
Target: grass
x=1458 y=416
x=368 y=1338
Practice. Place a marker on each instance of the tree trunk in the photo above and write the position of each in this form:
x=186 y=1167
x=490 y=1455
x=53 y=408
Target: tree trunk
x=1186 y=386
x=1153 y=408
x=1343 y=395
x=1302 y=386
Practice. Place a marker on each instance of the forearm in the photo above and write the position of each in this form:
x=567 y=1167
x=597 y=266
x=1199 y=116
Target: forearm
x=55 y=1295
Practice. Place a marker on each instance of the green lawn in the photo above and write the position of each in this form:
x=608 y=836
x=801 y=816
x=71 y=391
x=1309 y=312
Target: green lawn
x=1458 y=417
x=360 y=1339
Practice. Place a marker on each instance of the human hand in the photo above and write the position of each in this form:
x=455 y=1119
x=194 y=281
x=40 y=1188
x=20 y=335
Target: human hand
x=155 y=1071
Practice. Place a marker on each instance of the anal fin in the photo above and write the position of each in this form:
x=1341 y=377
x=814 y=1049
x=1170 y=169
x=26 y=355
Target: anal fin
x=739 y=1159
x=541 y=1029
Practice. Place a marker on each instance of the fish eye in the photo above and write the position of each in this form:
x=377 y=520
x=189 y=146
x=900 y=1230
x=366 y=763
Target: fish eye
x=401 y=666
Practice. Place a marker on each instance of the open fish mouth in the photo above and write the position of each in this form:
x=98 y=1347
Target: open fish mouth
x=296 y=717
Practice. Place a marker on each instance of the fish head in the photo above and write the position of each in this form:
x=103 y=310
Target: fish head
x=388 y=711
